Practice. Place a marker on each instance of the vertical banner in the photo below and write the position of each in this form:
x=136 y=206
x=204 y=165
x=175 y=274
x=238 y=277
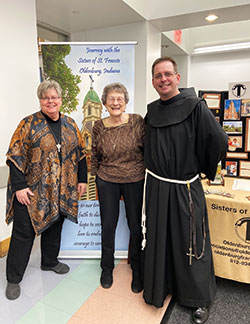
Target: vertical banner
x=84 y=239
x=83 y=70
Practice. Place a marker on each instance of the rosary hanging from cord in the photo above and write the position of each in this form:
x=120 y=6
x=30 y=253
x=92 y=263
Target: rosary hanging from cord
x=192 y=231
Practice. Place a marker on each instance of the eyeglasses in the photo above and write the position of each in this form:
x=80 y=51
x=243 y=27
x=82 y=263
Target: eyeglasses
x=50 y=98
x=119 y=99
x=169 y=74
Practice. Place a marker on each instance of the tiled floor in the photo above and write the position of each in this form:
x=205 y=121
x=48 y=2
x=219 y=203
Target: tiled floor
x=77 y=298
x=118 y=305
x=48 y=298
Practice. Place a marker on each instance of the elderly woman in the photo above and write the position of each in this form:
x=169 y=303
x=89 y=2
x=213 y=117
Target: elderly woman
x=117 y=162
x=47 y=174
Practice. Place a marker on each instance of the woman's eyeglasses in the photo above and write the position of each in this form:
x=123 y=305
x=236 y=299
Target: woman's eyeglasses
x=119 y=99
x=50 y=98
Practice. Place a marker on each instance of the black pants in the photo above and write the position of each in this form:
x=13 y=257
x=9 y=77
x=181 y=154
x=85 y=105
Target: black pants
x=109 y=198
x=21 y=243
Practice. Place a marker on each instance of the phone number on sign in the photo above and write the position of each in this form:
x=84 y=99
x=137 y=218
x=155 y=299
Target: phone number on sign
x=244 y=263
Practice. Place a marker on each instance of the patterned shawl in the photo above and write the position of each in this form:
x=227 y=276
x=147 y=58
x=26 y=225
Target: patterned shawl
x=33 y=151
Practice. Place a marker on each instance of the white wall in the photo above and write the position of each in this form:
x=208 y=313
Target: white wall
x=215 y=71
x=185 y=39
x=153 y=52
x=182 y=62
x=148 y=38
x=19 y=76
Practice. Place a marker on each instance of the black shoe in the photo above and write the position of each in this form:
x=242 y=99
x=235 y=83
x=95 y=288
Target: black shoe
x=60 y=268
x=106 y=279
x=200 y=315
x=136 y=284
x=12 y=291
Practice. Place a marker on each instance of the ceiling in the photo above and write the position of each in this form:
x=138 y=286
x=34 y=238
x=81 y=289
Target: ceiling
x=73 y=16
x=196 y=19
x=81 y=15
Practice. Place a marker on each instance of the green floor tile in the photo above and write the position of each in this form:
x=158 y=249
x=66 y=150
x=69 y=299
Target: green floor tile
x=44 y=314
x=87 y=274
x=68 y=296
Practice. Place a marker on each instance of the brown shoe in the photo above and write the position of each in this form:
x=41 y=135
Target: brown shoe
x=200 y=315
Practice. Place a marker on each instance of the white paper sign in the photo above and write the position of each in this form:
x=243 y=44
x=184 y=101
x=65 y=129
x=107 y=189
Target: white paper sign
x=239 y=90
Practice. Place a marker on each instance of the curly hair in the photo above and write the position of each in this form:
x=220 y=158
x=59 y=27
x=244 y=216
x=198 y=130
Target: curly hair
x=114 y=87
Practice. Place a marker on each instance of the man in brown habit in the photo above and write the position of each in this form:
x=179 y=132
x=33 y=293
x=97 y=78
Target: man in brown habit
x=182 y=140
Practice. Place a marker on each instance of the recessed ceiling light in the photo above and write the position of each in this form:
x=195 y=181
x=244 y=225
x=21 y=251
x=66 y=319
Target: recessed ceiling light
x=75 y=12
x=211 y=18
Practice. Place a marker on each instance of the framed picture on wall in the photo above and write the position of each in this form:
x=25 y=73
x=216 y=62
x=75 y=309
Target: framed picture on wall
x=237 y=155
x=247 y=137
x=234 y=143
x=212 y=100
x=231 y=168
x=244 y=169
x=232 y=109
x=245 y=108
x=232 y=127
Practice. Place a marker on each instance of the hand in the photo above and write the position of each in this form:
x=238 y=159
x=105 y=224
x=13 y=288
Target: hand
x=23 y=196
x=82 y=189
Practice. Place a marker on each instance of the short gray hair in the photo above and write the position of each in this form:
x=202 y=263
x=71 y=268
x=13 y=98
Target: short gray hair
x=115 y=87
x=46 y=85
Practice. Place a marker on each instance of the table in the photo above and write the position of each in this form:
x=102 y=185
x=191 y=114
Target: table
x=229 y=223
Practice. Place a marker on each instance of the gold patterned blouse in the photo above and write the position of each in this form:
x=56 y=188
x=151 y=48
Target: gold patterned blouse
x=117 y=151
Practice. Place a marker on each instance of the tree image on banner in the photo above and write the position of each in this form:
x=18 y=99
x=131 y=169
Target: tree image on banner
x=54 y=67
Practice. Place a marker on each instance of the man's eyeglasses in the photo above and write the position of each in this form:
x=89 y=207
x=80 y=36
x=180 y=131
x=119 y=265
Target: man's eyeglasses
x=119 y=99
x=169 y=74
x=50 y=98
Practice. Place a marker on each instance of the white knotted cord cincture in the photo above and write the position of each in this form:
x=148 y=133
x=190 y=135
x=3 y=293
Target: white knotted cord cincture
x=143 y=218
